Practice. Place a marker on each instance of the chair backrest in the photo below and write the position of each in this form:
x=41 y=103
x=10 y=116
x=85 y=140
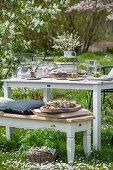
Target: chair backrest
x=106 y=69
x=110 y=74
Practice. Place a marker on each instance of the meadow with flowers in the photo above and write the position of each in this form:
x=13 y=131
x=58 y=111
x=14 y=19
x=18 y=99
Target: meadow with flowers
x=12 y=156
x=46 y=28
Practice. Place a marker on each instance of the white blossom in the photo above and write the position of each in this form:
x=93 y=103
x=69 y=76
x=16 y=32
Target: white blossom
x=12 y=26
x=13 y=15
x=41 y=23
x=12 y=32
x=110 y=17
x=6 y=23
x=22 y=11
x=91 y=5
x=66 y=41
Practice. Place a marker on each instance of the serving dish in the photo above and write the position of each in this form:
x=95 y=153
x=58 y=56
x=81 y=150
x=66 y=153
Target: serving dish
x=60 y=110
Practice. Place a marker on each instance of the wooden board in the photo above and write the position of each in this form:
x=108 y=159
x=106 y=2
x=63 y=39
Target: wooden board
x=59 y=110
x=81 y=112
x=35 y=117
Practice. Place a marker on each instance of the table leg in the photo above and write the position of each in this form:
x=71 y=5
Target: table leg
x=7 y=90
x=87 y=139
x=46 y=95
x=9 y=132
x=97 y=120
x=70 y=147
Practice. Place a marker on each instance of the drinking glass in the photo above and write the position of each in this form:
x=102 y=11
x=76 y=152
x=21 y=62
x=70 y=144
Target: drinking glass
x=33 y=65
x=91 y=67
x=23 y=72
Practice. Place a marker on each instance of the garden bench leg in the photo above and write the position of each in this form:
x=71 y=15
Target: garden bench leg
x=46 y=95
x=70 y=147
x=87 y=139
x=9 y=132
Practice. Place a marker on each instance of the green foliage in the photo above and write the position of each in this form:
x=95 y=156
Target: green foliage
x=55 y=53
x=9 y=145
x=80 y=96
x=107 y=60
x=13 y=144
x=102 y=58
x=87 y=56
x=45 y=137
x=65 y=59
x=107 y=119
x=100 y=53
x=110 y=50
x=97 y=74
x=25 y=93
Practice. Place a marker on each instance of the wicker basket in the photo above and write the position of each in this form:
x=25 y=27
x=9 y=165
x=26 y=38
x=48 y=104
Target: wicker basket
x=39 y=157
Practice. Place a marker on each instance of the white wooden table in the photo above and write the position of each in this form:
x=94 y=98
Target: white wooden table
x=69 y=126
x=47 y=84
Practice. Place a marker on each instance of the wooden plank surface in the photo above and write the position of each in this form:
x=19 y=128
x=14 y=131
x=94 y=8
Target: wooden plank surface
x=34 y=117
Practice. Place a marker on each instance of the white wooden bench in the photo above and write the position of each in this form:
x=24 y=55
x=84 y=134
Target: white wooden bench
x=69 y=126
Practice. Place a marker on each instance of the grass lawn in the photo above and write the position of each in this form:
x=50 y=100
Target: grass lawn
x=102 y=58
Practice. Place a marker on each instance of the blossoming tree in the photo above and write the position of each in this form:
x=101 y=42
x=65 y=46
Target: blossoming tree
x=92 y=18
x=15 y=18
